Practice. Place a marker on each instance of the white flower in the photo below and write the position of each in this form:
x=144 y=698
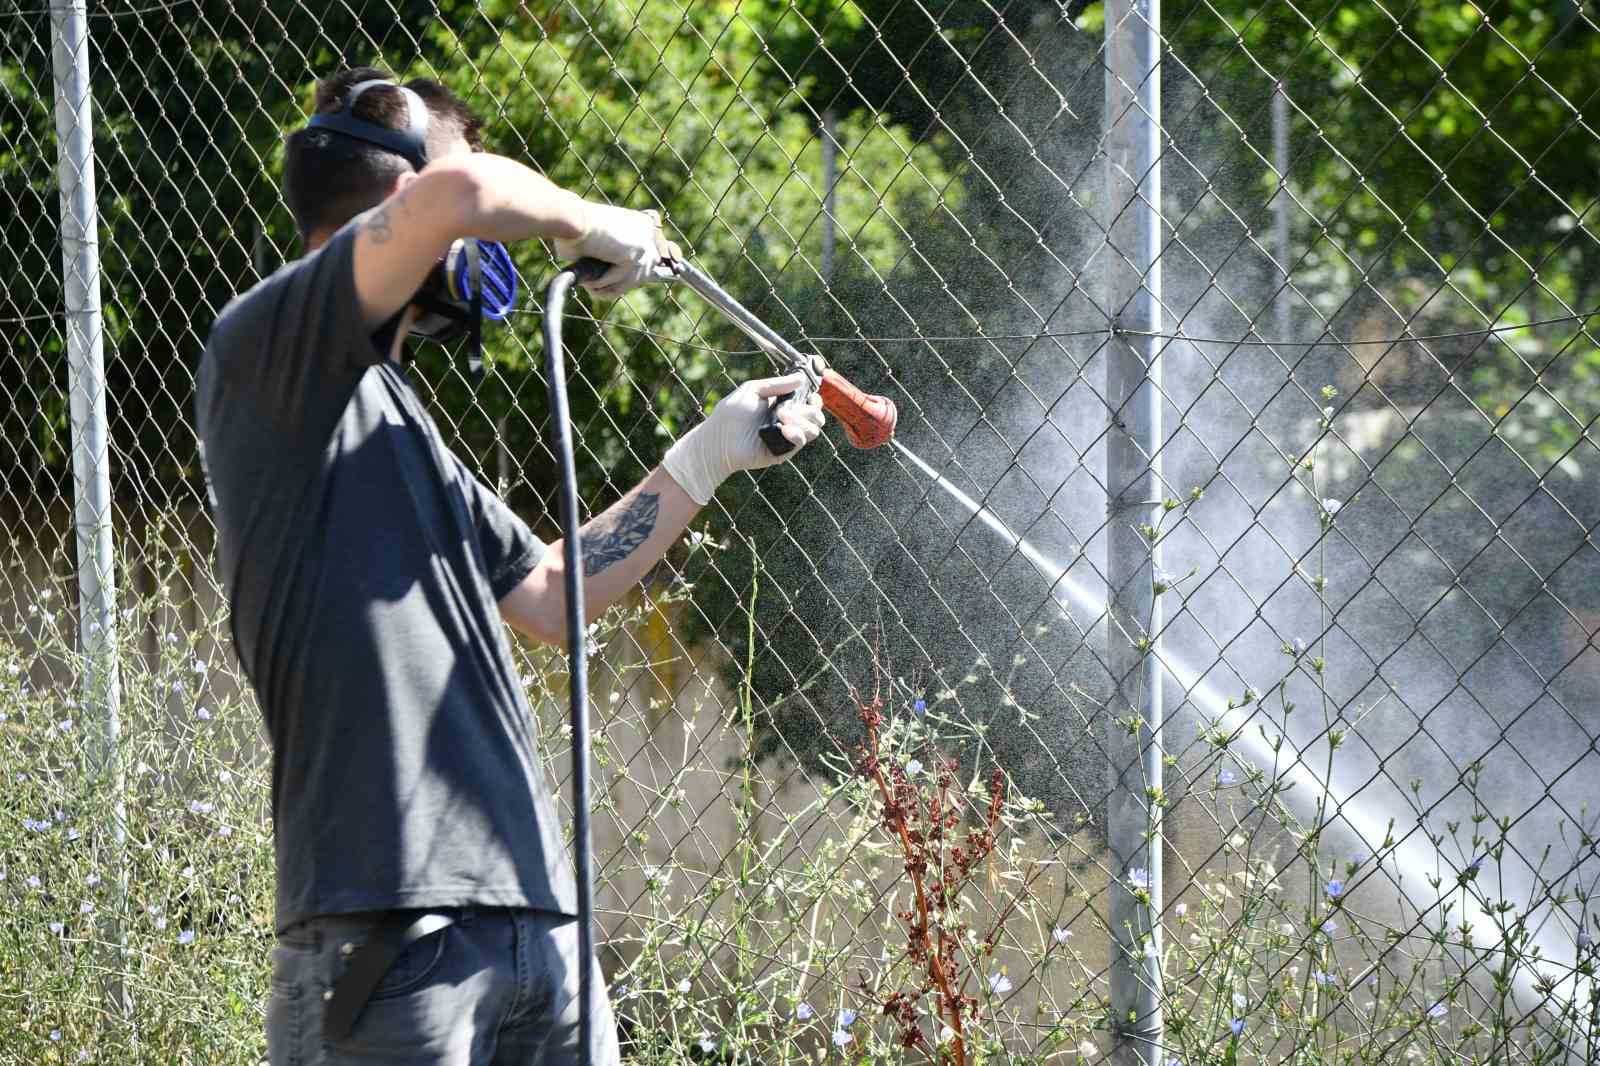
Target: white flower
x=203 y=714
x=841 y=1038
x=914 y=767
x=946 y=1034
x=683 y=985
x=1240 y=1002
x=1331 y=506
x=1286 y=928
x=803 y=1012
x=86 y=907
x=1181 y=909
x=57 y=928
x=65 y=725
x=999 y=984
x=1086 y=1048
x=1298 y=646
x=92 y=880
x=186 y=936
x=198 y=667
x=1061 y=934
x=55 y=1035
x=1327 y=412
x=707 y=1044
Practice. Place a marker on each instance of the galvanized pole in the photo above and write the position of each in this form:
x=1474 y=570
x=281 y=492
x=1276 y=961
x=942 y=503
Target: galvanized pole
x=100 y=692
x=1280 y=209
x=86 y=374
x=830 y=177
x=1133 y=486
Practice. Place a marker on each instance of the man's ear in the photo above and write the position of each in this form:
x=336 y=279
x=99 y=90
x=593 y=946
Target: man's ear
x=403 y=180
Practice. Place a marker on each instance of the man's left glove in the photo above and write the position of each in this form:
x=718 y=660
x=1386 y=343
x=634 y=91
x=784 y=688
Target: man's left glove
x=630 y=241
x=730 y=439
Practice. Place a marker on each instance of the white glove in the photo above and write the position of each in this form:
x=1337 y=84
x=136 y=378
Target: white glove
x=730 y=439
x=629 y=240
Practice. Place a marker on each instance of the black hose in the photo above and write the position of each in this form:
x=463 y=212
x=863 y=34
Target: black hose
x=555 y=299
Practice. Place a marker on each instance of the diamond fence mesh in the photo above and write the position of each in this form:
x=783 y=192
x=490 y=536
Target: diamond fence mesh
x=1282 y=346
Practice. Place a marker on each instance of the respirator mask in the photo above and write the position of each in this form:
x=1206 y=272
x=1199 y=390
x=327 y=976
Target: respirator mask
x=475 y=280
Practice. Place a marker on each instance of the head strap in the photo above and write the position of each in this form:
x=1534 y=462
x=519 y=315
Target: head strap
x=410 y=143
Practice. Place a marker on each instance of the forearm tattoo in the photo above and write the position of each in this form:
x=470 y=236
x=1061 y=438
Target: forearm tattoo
x=611 y=541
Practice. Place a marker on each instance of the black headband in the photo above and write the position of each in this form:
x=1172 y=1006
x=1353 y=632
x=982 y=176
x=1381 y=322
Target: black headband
x=410 y=143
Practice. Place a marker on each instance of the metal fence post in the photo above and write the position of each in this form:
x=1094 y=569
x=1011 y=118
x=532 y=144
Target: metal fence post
x=100 y=687
x=86 y=384
x=1133 y=488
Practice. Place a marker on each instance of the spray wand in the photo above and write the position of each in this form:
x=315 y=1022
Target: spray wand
x=868 y=421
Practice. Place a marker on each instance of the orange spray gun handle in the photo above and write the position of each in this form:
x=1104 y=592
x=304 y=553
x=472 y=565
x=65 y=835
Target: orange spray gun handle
x=868 y=420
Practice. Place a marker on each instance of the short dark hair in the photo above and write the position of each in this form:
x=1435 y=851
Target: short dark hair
x=328 y=178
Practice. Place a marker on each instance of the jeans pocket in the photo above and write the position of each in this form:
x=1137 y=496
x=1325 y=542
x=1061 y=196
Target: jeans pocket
x=416 y=964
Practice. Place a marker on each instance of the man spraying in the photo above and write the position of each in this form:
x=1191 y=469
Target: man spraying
x=424 y=899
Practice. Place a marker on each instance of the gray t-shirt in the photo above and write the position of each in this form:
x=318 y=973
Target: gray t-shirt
x=363 y=564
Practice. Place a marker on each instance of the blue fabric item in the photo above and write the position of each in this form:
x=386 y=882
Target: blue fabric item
x=496 y=988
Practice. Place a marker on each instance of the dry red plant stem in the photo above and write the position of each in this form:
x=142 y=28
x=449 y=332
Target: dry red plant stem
x=921 y=826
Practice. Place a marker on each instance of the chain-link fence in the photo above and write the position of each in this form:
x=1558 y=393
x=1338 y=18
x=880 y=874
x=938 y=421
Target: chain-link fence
x=1206 y=674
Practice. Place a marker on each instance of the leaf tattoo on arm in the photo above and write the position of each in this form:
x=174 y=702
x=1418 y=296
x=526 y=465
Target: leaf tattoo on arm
x=378 y=225
x=621 y=537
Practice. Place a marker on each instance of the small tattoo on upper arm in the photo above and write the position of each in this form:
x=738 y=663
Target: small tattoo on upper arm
x=622 y=536
x=378 y=225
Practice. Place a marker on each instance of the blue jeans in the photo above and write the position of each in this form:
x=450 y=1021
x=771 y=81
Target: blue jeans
x=498 y=988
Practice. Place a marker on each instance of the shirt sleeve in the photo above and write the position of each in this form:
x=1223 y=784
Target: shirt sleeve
x=510 y=550
x=292 y=350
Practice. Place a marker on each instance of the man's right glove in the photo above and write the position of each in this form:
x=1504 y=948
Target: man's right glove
x=629 y=240
x=730 y=439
